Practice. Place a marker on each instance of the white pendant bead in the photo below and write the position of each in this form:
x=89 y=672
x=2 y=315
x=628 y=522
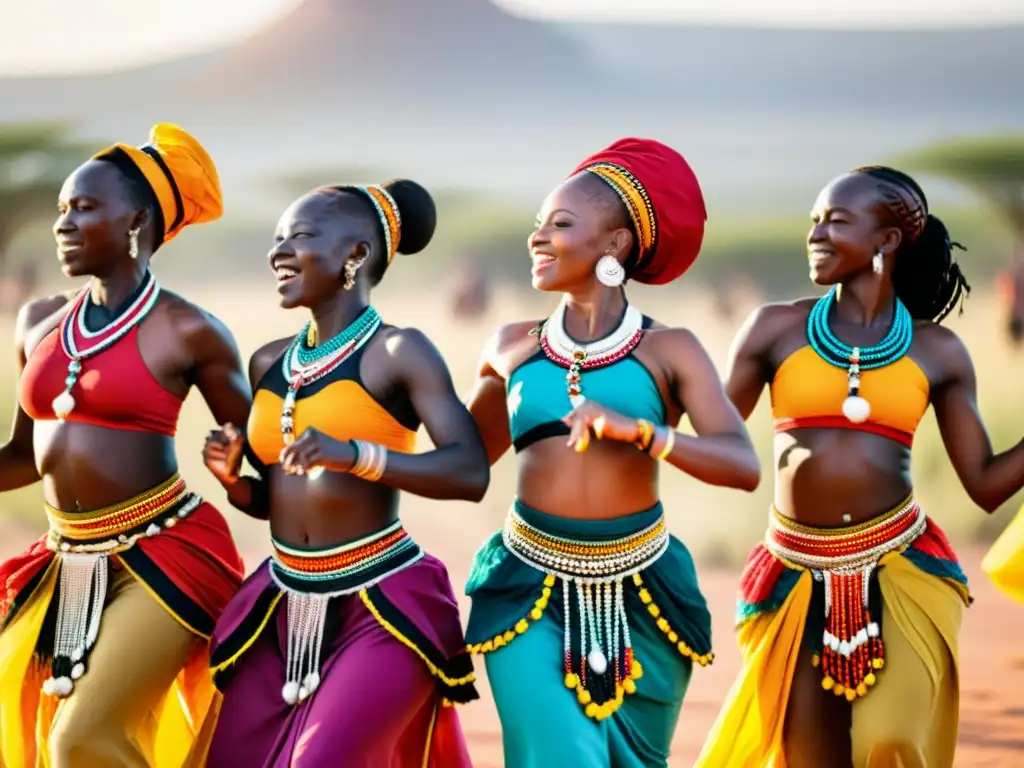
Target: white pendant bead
x=597 y=661
x=290 y=692
x=63 y=404
x=856 y=409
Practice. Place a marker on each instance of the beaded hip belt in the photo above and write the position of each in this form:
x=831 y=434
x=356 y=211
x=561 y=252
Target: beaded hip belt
x=844 y=559
x=310 y=578
x=597 y=569
x=84 y=542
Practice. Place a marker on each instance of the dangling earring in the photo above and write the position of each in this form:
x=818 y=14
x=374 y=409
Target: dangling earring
x=877 y=263
x=609 y=271
x=133 y=243
x=351 y=267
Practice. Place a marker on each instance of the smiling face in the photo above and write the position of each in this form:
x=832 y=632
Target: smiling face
x=850 y=226
x=581 y=221
x=315 y=237
x=95 y=214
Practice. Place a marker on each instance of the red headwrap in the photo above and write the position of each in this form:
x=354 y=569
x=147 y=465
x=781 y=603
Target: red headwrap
x=664 y=201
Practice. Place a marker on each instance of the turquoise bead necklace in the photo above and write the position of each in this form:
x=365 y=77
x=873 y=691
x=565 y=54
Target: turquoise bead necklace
x=829 y=348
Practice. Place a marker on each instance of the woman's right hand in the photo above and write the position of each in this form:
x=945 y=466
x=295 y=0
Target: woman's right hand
x=222 y=453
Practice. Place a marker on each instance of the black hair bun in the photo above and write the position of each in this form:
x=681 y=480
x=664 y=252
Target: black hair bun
x=418 y=212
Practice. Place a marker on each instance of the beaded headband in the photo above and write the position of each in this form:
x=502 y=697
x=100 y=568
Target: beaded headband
x=390 y=218
x=637 y=201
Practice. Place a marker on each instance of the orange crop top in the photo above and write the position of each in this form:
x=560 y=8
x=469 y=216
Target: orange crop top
x=338 y=405
x=809 y=392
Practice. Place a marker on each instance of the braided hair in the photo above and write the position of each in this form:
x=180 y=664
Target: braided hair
x=926 y=277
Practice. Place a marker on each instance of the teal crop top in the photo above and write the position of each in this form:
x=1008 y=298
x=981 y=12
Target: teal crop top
x=538 y=400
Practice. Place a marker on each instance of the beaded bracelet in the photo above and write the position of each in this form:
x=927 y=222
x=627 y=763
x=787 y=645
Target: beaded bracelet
x=670 y=442
x=371 y=460
x=645 y=434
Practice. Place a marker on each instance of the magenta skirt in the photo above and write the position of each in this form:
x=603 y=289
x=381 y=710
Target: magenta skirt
x=391 y=661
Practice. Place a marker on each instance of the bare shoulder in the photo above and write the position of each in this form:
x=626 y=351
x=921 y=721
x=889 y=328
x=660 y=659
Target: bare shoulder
x=945 y=347
x=38 y=317
x=508 y=346
x=203 y=333
x=264 y=357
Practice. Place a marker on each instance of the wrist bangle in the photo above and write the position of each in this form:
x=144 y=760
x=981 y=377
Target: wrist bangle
x=670 y=442
x=645 y=434
x=371 y=460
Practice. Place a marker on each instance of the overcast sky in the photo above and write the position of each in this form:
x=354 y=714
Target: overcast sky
x=55 y=36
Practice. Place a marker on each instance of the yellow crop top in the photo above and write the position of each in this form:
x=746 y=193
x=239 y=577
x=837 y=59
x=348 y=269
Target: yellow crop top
x=338 y=405
x=809 y=392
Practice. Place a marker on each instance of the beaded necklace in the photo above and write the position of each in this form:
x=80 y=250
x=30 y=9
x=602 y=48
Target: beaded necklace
x=830 y=349
x=80 y=344
x=303 y=364
x=560 y=348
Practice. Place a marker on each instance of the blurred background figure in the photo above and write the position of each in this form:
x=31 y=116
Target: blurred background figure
x=469 y=291
x=1010 y=290
x=486 y=103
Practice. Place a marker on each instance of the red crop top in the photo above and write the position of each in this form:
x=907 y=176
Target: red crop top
x=115 y=388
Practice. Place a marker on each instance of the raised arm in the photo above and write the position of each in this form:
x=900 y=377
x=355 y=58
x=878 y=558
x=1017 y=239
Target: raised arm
x=226 y=446
x=456 y=469
x=989 y=478
x=217 y=370
x=721 y=453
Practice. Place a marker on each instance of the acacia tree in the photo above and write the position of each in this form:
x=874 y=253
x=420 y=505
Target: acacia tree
x=992 y=166
x=34 y=160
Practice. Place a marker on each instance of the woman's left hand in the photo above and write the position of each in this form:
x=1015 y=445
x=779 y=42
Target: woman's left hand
x=606 y=425
x=315 y=450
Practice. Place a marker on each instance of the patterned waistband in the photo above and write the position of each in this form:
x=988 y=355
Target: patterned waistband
x=119 y=526
x=846 y=549
x=579 y=560
x=346 y=568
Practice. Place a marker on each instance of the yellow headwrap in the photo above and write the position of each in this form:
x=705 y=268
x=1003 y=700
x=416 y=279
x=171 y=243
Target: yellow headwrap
x=180 y=174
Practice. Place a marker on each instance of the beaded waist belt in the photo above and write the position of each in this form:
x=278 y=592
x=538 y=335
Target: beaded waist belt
x=597 y=569
x=84 y=542
x=311 y=578
x=844 y=559
x=118 y=527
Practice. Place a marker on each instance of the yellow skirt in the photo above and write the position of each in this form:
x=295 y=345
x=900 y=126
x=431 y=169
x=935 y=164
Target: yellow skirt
x=1004 y=562
x=925 y=612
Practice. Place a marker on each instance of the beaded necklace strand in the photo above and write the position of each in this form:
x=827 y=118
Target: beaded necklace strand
x=80 y=344
x=303 y=364
x=829 y=348
x=560 y=348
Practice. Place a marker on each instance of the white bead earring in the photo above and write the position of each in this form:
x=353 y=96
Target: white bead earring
x=878 y=263
x=133 y=243
x=609 y=271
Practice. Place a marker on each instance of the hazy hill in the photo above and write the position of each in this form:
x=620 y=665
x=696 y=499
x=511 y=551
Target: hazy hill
x=459 y=92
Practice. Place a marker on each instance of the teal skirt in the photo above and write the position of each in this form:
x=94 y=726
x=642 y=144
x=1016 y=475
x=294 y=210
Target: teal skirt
x=554 y=709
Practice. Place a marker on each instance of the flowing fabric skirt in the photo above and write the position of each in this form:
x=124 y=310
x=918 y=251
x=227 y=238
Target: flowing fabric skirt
x=120 y=603
x=880 y=611
x=345 y=657
x=590 y=630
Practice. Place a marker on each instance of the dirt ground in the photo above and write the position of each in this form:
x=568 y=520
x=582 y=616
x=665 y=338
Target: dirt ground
x=992 y=651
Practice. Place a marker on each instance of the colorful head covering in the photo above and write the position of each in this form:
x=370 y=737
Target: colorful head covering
x=390 y=217
x=179 y=173
x=664 y=201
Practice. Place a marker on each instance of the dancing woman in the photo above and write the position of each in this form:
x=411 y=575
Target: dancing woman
x=345 y=646
x=585 y=588
x=851 y=607
x=105 y=618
